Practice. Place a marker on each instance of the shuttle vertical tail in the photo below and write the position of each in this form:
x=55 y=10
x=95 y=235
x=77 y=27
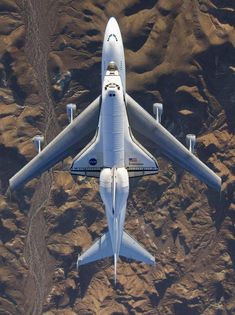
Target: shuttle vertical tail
x=115 y=269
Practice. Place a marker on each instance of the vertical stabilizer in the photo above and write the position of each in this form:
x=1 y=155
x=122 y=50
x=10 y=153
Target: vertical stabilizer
x=113 y=189
x=115 y=269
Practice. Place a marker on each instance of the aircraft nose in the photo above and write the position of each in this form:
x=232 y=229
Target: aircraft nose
x=112 y=26
x=112 y=41
x=112 y=22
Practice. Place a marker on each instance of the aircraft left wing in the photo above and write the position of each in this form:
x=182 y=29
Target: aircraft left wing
x=145 y=125
x=71 y=140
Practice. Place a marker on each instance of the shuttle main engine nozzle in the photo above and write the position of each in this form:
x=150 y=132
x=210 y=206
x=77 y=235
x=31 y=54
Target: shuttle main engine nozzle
x=157 y=110
x=37 y=141
x=191 y=141
x=71 y=109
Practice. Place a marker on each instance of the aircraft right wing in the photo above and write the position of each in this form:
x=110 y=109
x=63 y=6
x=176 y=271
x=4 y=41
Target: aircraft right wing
x=145 y=125
x=70 y=141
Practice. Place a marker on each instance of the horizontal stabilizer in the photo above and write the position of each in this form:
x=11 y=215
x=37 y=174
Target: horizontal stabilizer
x=100 y=249
x=130 y=248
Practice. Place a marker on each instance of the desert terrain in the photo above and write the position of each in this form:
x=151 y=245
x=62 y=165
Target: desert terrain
x=178 y=52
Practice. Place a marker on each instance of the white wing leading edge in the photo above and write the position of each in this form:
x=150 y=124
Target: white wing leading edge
x=89 y=161
x=69 y=142
x=145 y=125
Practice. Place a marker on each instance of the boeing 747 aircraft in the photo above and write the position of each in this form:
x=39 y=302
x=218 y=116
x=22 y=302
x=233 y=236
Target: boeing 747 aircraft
x=101 y=141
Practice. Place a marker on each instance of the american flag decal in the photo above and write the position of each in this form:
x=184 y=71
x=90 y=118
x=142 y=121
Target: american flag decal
x=133 y=160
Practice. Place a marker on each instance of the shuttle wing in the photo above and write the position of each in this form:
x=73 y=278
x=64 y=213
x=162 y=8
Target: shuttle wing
x=145 y=125
x=89 y=161
x=69 y=142
x=138 y=160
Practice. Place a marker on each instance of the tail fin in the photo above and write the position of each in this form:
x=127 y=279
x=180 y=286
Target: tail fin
x=130 y=248
x=100 y=249
x=115 y=268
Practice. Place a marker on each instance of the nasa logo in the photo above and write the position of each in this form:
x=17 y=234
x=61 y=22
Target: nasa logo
x=92 y=161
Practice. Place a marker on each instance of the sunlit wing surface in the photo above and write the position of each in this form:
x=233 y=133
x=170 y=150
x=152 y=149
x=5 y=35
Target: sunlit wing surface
x=102 y=140
x=130 y=248
x=145 y=125
x=70 y=141
x=100 y=249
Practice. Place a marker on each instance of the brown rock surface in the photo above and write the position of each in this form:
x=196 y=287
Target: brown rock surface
x=179 y=52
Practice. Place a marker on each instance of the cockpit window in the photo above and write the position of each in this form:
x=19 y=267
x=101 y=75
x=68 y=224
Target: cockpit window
x=112 y=86
x=110 y=35
x=112 y=66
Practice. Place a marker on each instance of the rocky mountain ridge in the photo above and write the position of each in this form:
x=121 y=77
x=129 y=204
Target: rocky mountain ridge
x=177 y=52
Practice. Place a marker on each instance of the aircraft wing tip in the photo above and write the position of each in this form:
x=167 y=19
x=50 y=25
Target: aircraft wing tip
x=218 y=184
x=12 y=184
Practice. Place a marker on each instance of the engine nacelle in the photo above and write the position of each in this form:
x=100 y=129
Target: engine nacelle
x=191 y=141
x=37 y=141
x=157 y=110
x=71 y=109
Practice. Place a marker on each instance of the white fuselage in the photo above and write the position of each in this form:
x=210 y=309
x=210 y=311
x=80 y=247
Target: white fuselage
x=113 y=50
x=114 y=153
x=113 y=121
x=114 y=179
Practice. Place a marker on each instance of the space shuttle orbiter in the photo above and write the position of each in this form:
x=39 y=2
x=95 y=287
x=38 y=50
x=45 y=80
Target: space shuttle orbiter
x=114 y=154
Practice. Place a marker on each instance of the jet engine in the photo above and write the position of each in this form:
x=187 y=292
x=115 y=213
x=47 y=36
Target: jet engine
x=37 y=141
x=71 y=109
x=157 y=110
x=191 y=141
